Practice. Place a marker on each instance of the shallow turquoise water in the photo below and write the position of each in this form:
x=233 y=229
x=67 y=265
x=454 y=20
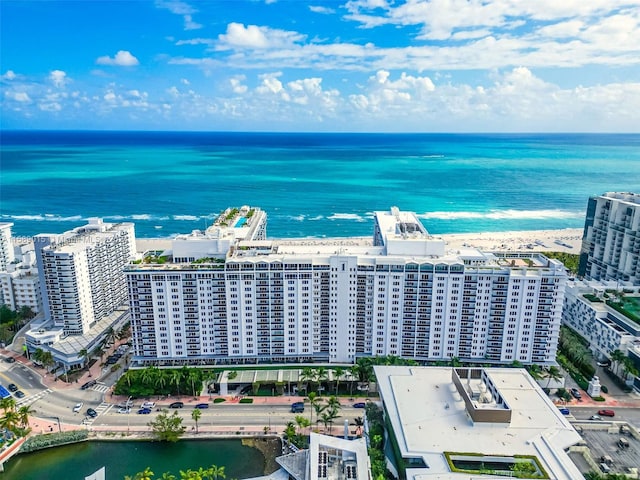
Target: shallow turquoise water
x=75 y=462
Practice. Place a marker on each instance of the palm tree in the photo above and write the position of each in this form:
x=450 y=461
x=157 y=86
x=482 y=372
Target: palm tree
x=333 y=404
x=617 y=357
x=320 y=375
x=359 y=423
x=306 y=375
x=8 y=404
x=302 y=423
x=193 y=377
x=147 y=375
x=337 y=373
x=354 y=371
x=167 y=476
x=10 y=420
x=47 y=360
x=161 y=380
x=553 y=373
x=290 y=431
x=83 y=354
x=175 y=379
x=629 y=368
x=536 y=371
x=23 y=413
x=319 y=408
x=313 y=399
x=195 y=415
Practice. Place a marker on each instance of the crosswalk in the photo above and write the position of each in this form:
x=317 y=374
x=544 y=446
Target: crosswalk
x=100 y=388
x=101 y=409
x=28 y=400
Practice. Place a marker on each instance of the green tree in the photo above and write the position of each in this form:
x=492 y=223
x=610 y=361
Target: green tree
x=313 y=399
x=337 y=373
x=617 y=357
x=553 y=373
x=23 y=414
x=175 y=379
x=195 y=379
x=195 y=415
x=167 y=428
x=83 y=354
x=216 y=472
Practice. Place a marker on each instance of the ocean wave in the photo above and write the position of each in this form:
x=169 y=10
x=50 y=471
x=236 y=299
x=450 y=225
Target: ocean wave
x=47 y=217
x=316 y=218
x=189 y=218
x=346 y=216
x=297 y=218
x=141 y=216
x=508 y=214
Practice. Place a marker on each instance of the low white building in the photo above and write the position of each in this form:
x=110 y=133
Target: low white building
x=586 y=311
x=445 y=420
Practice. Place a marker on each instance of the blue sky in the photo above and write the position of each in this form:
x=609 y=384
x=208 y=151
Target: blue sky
x=293 y=65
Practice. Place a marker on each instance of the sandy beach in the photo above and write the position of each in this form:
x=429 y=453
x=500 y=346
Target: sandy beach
x=566 y=240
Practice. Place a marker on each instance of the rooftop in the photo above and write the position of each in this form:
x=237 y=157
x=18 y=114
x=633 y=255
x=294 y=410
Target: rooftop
x=430 y=416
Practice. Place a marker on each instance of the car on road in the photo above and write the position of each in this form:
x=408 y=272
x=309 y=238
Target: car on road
x=576 y=393
x=595 y=417
x=148 y=405
x=297 y=407
x=13 y=387
x=606 y=413
x=89 y=384
x=10 y=360
x=19 y=394
x=91 y=413
x=124 y=410
x=176 y=405
x=359 y=405
x=78 y=407
x=202 y=406
x=144 y=411
x=565 y=411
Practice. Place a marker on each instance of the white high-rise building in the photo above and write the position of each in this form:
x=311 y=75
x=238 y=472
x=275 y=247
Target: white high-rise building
x=332 y=300
x=611 y=240
x=7 y=254
x=20 y=284
x=82 y=273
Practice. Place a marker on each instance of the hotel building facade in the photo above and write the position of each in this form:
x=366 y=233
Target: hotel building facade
x=333 y=300
x=611 y=239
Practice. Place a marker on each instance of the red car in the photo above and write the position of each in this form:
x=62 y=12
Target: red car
x=606 y=413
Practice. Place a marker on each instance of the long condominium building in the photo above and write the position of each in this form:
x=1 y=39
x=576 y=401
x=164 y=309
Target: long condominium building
x=307 y=300
x=611 y=240
x=82 y=273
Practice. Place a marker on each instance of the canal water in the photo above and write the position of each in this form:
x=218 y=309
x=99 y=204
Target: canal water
x=75 y=462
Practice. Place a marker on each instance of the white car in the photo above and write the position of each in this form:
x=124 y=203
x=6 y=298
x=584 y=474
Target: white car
x=148 y=405
x=78 y=407
x=124 y=410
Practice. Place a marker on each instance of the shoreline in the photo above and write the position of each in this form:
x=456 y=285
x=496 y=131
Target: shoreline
x=567 y=240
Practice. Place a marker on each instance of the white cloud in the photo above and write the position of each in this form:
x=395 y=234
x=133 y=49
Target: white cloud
x=122 y=59
x=196 y=41
x=323 y=10
x=237 y=86
x=58 y=78
x=256 y=37
x=10 y=75
x=21 y=97
x=178 y=7
x=184 y=81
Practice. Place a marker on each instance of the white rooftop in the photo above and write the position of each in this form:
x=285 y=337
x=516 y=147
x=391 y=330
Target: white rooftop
x=430 y=417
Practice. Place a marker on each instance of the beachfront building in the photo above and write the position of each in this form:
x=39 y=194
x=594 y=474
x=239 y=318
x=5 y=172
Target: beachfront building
x=611 y=239
x=398 y=293
x=588 y=311
x=7 y=255
x=20 y=283
x=454 y=423
x=83 y=287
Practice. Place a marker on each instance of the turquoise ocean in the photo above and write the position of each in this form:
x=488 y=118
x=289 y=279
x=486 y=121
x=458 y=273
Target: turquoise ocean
x=310 y=185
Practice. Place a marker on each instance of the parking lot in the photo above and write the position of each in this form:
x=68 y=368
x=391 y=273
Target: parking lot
x=601 y=443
